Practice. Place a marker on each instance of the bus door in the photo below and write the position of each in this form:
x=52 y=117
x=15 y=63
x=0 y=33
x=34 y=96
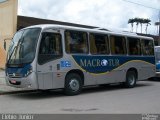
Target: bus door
x=50 y=51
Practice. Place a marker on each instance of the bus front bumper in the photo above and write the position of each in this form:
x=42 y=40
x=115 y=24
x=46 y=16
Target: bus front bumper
x=27 y=82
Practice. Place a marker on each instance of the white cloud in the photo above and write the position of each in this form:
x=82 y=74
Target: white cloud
x=102 y=13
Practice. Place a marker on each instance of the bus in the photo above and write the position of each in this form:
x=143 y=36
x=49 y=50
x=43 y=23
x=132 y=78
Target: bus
x=46 y=57
x=157 y=56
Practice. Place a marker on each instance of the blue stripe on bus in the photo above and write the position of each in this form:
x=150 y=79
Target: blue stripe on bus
x=102 y=64
x=19 y=70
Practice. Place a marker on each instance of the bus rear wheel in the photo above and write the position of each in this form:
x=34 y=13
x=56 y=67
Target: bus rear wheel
x=73 y=84
x=131 y=79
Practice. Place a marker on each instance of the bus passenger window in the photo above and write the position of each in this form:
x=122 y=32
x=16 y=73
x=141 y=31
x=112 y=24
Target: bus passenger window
x=99 y=44
x=147 y=47
x=134 y=47
x=118 y=45
x=50 y=47
x=76 y=42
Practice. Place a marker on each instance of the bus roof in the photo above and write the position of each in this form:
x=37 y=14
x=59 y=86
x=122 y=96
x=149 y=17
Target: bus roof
x=99 y=30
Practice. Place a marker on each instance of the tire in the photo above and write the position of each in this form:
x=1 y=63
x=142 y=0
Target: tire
x=73 y=84
x=131 y=79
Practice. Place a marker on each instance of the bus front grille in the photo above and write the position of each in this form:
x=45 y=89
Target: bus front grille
x=15 y=75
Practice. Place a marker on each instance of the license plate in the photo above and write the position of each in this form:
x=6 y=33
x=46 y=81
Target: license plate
x=13 y=81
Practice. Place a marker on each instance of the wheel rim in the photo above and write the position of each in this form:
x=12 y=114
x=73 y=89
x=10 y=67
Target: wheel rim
x=131 y=79
x=74 y=85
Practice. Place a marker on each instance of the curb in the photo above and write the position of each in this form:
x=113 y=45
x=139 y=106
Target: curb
x=16 y=92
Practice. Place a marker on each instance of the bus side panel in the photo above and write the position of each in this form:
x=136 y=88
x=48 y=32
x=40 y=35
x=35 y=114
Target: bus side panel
x=89 y=79
x=146 y=71
x=111 y=69
x=51 y=76
x=110 y=77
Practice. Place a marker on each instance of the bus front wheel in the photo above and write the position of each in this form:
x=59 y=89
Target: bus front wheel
x=131 y=79
x=73 y=84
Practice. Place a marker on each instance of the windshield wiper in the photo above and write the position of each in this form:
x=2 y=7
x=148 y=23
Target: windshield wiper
x=11 y=54
x=15 y=48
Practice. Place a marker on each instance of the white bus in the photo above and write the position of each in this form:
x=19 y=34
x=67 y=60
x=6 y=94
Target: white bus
x=157 y=56
x=54 y=56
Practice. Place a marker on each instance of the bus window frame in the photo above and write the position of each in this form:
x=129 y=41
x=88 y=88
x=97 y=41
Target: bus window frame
x=105 y=35
x=142 y=48
x=87 y=42
x=126 y=46
x=58 y=56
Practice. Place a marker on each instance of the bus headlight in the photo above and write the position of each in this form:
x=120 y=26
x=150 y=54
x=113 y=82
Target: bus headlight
x=29 y=71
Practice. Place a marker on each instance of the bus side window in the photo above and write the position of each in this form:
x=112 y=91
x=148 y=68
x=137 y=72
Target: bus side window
x=134 y=47
x=50 y=47
x=76 y=42
x=147 y=47
x=99 y=44
x=118 y=45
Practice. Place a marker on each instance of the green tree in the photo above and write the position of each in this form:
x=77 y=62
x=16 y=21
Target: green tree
x=147 y=22
x=137 y=21
x=141 y=21
x=131 y=21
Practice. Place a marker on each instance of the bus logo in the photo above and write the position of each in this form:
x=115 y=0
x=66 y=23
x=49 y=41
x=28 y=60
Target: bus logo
x=104 y=62
x=65 y=63
x=93 y=62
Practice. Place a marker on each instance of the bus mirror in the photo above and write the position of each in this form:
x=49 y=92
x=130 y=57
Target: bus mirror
x=5 y=45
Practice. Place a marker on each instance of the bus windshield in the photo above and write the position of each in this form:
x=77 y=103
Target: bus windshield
x=23 y=46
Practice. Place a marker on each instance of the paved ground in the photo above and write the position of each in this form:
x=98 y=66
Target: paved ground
x=144 y=98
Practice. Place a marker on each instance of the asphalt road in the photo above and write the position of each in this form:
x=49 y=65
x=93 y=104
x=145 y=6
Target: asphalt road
x=144 y=98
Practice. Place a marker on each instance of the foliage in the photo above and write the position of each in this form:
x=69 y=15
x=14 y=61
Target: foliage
x=140 y=21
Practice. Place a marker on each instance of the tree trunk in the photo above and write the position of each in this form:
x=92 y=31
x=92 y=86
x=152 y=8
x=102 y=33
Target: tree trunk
x=146 y=28
x=136 y=28
x=141 y=27
x=132 y=27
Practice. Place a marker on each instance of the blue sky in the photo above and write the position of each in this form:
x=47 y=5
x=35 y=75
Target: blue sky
x=110 y=14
